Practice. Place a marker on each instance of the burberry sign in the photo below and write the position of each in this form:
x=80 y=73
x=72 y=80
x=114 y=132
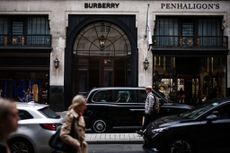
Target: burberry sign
x=101 y=5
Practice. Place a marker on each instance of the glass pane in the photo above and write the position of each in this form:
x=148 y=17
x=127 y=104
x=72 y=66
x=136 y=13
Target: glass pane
x=210 y=32
x=49 y=113
x=123 y=96
x=205 y=78
x=104 y=96
x=17 y=28
x=167 y=32
x=187 y=29
x=3 y=31
x=3 y=26
x=141 y=96
x=23 y=115
x=102 y=39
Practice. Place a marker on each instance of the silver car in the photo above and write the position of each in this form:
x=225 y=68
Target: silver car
x=37 y=124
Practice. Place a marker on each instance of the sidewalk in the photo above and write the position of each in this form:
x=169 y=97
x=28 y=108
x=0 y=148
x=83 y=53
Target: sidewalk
x=114 y=138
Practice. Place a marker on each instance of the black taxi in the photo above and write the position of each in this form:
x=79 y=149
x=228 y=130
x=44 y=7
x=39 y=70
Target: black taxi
x=123 y=107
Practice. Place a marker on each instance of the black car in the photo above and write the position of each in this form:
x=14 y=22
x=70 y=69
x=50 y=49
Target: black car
x=117 y=107
x=204 y=129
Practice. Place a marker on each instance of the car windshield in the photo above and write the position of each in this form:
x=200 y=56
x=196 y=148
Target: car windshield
x=49 y=113
x=195 y=113
x=161 y=96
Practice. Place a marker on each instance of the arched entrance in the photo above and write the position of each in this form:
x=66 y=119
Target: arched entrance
x=101 y=57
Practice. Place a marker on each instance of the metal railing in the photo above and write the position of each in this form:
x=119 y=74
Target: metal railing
x=191 y=41
x=25 y=40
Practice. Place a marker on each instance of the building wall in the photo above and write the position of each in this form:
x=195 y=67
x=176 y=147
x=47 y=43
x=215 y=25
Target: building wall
x=58 y=11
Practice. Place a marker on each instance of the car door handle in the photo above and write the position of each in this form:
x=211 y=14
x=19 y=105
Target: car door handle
x=136 y=110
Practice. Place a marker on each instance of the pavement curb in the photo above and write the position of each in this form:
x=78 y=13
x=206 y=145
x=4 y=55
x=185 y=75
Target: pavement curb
x=114 y=142
x=114 y=138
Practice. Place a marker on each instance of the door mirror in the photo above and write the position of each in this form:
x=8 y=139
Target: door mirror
x=211 y=117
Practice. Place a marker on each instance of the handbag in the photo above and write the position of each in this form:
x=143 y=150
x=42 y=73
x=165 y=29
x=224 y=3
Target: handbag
x=56 y=143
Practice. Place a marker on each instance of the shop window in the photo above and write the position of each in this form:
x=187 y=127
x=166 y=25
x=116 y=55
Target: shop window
x=24 y=30
x=17 y=32
x=198 y=78
x=38 y=29
x=3 y=31
x=25 y=88
x=167 y=32
x=188 y=32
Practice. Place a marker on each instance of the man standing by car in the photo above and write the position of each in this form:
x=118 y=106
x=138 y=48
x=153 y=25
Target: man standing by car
x=149 y=108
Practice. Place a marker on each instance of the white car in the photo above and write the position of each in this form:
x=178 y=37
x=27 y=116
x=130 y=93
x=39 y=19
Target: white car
x=36 y=125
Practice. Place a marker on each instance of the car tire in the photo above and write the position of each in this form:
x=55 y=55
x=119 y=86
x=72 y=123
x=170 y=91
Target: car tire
x=180 y=146
x=20 y=145
x=100 y=126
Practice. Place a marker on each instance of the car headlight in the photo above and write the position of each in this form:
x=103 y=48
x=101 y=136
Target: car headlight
x=155 y=132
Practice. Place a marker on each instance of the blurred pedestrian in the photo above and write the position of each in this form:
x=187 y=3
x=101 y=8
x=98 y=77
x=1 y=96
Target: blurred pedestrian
x=181 y=96
x=74 y=117
x=8 y=122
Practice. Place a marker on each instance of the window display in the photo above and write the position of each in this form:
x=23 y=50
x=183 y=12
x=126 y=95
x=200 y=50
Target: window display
x=25 y=90
x=190 y=79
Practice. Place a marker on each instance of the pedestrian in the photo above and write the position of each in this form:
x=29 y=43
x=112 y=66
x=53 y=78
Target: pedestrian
x=149 y=109
x=181 y=96
x=8 y=122
x=74 y=119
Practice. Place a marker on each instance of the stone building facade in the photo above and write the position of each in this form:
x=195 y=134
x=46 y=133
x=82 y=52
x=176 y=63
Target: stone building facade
x=54 y=49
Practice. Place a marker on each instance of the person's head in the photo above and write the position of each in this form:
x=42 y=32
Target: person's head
x=148 y=89
x=8 y=117
x=78 y=104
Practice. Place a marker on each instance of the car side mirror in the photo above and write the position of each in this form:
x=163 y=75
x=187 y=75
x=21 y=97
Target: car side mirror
x=211 y=117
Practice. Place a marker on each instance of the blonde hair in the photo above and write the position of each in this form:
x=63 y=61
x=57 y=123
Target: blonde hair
x=5 y=106
x=77 y=100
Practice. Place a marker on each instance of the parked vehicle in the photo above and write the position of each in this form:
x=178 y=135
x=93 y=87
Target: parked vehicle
x=204 y=129
x=117 y=107
x=36 y=125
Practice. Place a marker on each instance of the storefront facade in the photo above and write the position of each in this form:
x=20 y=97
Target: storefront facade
x=95 y=44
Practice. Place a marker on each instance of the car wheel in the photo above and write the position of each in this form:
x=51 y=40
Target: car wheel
x=180 y=146
x=20 y=145
x=99 y=126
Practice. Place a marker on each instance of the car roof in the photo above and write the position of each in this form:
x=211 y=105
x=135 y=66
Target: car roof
x=111 y=88
x=30 y=105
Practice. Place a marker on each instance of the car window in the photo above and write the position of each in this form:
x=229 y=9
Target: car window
x=141 y=96
x=222 y=112
x=120 y=96
x=160 y=96
x=104 y=96
x=125 y=96
x=49 y=113
x=197 y=112
x=24 y=115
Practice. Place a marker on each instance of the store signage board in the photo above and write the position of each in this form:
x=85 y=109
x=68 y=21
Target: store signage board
x=101 y=5
x=190 y=6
